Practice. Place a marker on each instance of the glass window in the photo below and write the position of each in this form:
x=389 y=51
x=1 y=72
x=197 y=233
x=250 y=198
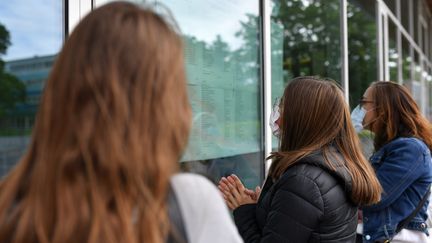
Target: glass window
x=391 y=4
x=311 y=38
x=415 y=85
x=30 y=37
x=393 y=54
x=305 y=40
x=222 y=54
x=405 y=14
x=362 y=48
x=222 y=57
x=416 y=5
x=406 y=61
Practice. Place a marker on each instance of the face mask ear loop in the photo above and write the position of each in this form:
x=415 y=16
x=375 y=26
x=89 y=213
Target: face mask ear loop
x=274 y=117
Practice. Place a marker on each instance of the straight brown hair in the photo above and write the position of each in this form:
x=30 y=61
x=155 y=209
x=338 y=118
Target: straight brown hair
x=397 y=115
x=112 y=123
x=316 y=117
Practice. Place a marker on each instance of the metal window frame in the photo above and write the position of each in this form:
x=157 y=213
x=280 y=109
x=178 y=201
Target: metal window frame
x=75 y=11
x=266 y=70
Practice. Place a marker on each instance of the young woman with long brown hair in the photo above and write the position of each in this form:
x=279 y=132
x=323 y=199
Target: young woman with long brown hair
x=402 y=161
x=318 y=176
x=112 y=124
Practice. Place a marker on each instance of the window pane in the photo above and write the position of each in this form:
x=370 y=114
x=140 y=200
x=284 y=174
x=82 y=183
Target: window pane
x=405 y=14
x=362 y=48
x=415 y=20
x=311 y=38
x=393 y=54
x=406 y=61
x=33 y=33
x=415 y=85
x=223 y=66
x=362 y=56
x=391 y=4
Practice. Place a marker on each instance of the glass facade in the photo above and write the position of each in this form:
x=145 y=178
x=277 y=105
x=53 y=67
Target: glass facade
x=308 y=34
x=222 y=53
x=227 y=57
x=223 y=64
x=362 y=48
x=31 y=33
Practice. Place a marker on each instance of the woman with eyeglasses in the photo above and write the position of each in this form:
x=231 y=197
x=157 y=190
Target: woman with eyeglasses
x=318 y=176
x=402 y=161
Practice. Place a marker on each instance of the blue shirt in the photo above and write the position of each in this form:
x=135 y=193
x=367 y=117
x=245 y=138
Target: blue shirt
x=404 y=169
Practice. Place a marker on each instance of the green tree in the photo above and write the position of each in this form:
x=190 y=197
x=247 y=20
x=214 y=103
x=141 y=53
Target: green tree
x=12 y=90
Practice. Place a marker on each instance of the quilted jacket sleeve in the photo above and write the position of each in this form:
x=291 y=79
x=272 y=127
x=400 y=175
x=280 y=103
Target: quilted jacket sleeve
x=295 y=211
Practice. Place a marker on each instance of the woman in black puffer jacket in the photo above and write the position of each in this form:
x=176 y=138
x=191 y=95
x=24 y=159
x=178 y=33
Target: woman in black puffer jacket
x=317 y=178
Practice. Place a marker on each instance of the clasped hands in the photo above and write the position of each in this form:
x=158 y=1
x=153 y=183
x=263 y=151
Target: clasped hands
x=235 y=194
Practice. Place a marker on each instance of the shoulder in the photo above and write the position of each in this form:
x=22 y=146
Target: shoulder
x=189 y=179
x=309 y=174
x=204 y=212
x=413 y=144
x=405 y=150
x=193 y=187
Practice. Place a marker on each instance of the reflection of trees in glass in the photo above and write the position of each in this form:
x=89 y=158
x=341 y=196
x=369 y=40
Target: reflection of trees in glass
x=225 y=82
x=12 y=91
x=362 y=50
x=311 y=37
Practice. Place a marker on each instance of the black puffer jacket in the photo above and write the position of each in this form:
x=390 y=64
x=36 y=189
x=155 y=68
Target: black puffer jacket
x=309 y=203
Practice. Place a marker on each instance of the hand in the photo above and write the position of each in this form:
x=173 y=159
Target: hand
x=235 y=194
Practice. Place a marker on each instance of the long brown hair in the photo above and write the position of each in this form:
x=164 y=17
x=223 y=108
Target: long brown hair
x=397 y=115
x=315 y=117
x=112 y=124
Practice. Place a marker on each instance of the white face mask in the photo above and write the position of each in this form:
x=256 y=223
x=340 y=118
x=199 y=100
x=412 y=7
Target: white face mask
x=274 y=116
x=357 y=117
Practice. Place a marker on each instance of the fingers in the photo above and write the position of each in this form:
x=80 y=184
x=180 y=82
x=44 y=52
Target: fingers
x=234 y=179
x=230 y=201
x=229 y=193
x=258 y=190
x=231 y=185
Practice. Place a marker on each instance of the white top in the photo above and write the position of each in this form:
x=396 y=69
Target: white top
x=204 y=212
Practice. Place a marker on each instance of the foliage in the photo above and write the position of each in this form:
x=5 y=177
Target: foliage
x=12 y=90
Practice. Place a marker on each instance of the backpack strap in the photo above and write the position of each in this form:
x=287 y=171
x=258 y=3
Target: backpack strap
x=177 y=232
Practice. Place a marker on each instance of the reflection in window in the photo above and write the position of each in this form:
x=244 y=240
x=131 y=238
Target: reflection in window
x=311 y=38
x=28 y=44
x=362 y=56
x=392 y=51
x=405 y=14
x=223 y=68
x=362 y=48
x=406 y=61
x=415 y=85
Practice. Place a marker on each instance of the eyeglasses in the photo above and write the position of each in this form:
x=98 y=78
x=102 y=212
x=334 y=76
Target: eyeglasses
x=362 y=102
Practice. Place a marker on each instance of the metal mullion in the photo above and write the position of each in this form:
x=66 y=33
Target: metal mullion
x=344 y=48
x=386 y=48
x=399 y=44
x=380 y=41
x=266 y=40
